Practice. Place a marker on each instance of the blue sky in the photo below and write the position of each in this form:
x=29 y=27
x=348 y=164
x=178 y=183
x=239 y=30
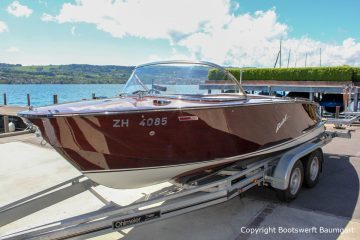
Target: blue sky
x=325 y=20
x=237 y=33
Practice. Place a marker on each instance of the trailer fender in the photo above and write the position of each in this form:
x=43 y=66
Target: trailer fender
x=281 y=174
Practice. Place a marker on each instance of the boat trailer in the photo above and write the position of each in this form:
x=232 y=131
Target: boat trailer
x=217 y=187
x=347 y=118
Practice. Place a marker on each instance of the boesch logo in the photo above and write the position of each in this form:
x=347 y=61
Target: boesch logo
x=281 y=123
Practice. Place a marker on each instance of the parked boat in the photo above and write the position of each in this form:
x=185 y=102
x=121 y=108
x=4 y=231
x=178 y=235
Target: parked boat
x=171 y=121
x=331 y=101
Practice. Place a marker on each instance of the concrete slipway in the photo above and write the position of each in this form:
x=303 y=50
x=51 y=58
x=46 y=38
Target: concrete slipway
x=27 y=167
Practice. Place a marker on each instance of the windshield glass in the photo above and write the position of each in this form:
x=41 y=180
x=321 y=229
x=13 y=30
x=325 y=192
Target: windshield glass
x=182 y=78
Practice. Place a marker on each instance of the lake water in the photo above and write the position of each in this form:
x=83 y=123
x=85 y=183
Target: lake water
x=42 y=94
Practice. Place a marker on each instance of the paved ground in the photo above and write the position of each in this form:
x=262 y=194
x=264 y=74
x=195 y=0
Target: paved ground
x=26 y=167
x=338 y=190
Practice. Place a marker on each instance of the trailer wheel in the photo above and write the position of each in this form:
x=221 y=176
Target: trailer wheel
x=295 y=183
x=312 y=165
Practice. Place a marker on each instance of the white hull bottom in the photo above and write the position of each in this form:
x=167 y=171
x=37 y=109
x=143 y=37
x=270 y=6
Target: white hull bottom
x=141 y=177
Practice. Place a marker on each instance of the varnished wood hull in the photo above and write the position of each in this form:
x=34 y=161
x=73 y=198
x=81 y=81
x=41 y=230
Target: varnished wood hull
x=125 y=149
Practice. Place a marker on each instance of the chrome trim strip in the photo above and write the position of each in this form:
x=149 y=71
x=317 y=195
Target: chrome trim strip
x=228 y=105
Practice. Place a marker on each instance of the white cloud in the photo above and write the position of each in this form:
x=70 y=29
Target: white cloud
x=208 y=30
x=175 y=55
x=142 y=18
x=3 y=27
x=247 y=40
x=348 y=52
x=47 y=17
x=13 y=49
x=73 y=30
x=18 y=10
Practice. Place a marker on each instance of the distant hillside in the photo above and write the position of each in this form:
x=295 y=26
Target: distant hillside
x=82 y=73
x=63 y=74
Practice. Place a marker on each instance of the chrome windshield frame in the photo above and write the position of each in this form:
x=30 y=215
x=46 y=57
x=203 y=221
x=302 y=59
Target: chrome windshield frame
x=210 y=64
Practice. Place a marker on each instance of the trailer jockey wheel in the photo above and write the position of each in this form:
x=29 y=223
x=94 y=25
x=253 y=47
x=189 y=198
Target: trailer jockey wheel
x=312 y=167
x=295 y=183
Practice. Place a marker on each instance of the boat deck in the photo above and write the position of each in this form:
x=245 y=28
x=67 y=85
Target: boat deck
x=338 y=188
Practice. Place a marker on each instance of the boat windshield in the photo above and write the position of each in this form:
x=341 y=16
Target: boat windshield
x=199 y=79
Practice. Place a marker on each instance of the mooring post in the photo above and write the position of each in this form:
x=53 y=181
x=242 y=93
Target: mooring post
x=311 y=96
x=28 y=99
x=5 y=99
x=93 y=96
x=271 y=93
x=55 y=99
x=356 y=99
x=337 y=112
x=6 y=124
x=321 y=111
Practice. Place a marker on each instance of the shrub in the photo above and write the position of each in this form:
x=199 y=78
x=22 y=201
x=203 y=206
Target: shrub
x=293 y=74
x=356 y=74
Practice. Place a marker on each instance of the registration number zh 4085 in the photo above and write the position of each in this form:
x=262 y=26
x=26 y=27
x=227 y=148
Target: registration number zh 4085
x=145 y=122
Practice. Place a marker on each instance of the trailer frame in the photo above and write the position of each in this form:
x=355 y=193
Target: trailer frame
x=215 y=188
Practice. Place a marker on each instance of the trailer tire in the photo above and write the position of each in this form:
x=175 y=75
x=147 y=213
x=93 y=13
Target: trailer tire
x=295 y=183
x=312 y=168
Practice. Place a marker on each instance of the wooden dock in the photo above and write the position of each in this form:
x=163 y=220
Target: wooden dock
x=6 y=110
x=7 y=114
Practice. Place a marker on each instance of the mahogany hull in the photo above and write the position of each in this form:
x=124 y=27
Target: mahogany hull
x=138 y=148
